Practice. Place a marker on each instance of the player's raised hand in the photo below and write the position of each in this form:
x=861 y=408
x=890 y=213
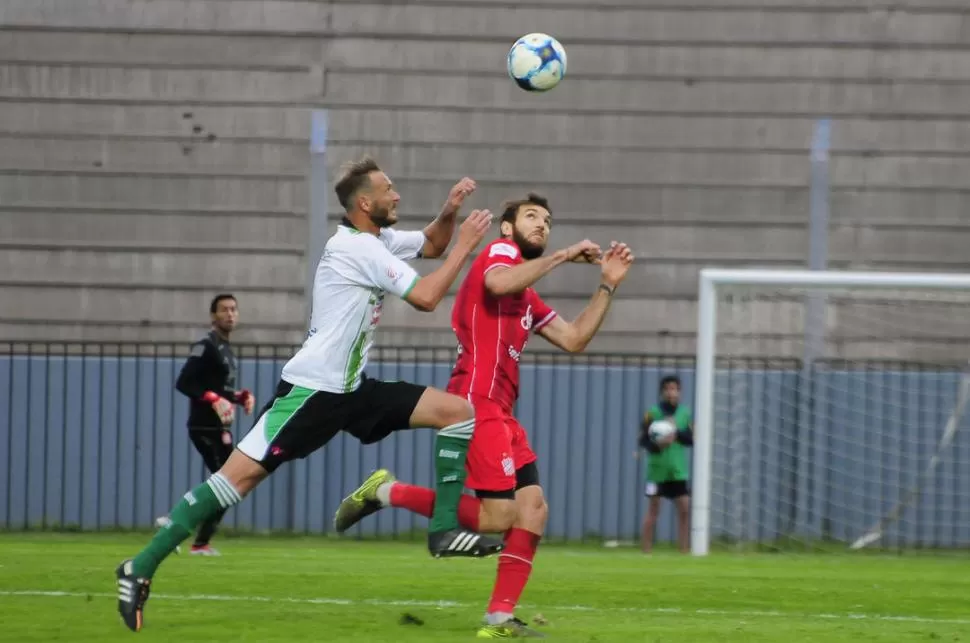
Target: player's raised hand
x=473 y=228
x=585 y=251
x=459 y=192
x=616 y=263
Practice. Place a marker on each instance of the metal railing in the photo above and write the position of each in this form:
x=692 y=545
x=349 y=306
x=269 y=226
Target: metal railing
x=94 y=436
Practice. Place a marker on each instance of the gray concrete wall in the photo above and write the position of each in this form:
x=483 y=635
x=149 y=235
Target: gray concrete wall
x=150 y=158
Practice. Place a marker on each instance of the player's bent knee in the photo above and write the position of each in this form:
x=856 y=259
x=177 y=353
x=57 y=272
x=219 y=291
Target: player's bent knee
x=242 y=472
x=437 y=409
x=456 y=410
x=533 y=511
x=498 y=514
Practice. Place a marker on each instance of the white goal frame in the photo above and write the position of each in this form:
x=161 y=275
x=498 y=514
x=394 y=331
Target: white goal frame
x=711 y=279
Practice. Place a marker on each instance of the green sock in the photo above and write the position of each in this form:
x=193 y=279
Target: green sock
x=451 y=447
x=205 y=501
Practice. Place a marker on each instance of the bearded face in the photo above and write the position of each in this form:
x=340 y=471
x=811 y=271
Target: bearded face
x=530 y=231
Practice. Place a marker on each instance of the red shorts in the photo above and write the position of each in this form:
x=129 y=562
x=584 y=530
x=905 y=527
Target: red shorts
x=499 y=447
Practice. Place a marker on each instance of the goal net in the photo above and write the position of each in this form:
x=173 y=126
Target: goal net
x=831 y=411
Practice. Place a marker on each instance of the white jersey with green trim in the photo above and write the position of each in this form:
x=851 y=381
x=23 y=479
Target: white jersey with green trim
x=355 y=271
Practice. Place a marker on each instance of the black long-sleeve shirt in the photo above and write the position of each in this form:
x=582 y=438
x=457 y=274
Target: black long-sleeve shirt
x=211 y=367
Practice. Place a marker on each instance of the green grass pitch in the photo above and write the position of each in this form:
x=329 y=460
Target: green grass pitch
x=60 y=587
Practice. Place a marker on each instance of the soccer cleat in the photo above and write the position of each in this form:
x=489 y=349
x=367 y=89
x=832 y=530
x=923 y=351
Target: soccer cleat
x=132 y=595
x=204 y=550
x=362 y=502
x=513 y=628
x=462 y=542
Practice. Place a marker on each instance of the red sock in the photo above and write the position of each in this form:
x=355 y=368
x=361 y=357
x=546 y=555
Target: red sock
x=514 y=568
x=420 y=500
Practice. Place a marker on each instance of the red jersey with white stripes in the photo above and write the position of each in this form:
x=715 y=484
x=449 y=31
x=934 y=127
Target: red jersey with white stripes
x=492 y=331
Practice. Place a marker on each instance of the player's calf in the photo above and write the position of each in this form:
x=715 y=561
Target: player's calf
x=497 y=514
x=214 y=496
x=454 y=418
x=521 y=543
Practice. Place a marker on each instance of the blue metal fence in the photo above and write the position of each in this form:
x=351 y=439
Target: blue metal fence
x=78 y=421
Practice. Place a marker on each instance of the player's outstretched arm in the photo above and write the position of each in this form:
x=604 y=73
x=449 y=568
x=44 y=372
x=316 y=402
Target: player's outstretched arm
x=429 y=290
x=574 y=336
x=512 y=280
x=438 y=233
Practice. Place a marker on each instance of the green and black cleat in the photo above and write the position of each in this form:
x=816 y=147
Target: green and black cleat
x=460 y=542
x=362 y=502
x=132 y=595
x=513 y=628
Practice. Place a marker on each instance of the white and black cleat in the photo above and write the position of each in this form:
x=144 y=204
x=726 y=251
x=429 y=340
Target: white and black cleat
x=132 y=595
x=463 y=543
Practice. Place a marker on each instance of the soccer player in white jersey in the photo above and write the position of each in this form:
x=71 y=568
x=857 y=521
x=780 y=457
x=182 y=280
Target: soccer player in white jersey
x=323 y=389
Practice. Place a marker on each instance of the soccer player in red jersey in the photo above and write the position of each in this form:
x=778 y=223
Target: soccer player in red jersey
x=494 y=313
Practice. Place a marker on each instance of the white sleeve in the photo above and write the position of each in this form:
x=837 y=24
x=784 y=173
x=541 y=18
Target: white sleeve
x=380 y=269
x=404 y=244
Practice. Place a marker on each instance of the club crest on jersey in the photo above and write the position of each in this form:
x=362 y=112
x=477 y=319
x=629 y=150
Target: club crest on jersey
x=508 y=466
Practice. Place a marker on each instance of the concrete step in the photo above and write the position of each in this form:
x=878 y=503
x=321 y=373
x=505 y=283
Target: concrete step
x=209 y=272
x=123 y=305
x=768 y=99
x=382 y=124
x=427 y=193
x=165 y=49
x=108 y=82
x=87 y=119
x=249 y=193
x=846 y=323
x=680 y=343
x=731 y=60
x=195 y=153
x=949 y=6
x=581 y=166
x=165 y=229
x=576 y=166
x=264 y=16
x=672 y=132
x=191 y=191
x=671 y=24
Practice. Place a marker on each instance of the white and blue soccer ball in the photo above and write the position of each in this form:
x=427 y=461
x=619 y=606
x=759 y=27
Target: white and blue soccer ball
x=537 y=62
x=661 y=430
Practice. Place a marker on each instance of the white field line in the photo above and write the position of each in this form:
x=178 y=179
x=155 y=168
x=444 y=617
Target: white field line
x=453 y=605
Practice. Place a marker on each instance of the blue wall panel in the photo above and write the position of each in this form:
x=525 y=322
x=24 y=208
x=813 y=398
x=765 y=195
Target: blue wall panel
x=822 y=454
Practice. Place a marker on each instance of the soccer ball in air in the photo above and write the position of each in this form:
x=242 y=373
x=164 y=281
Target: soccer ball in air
x=537 y=62
x=661 y=430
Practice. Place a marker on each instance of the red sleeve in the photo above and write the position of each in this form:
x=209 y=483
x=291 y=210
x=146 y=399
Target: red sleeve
x=501 y=253
x=542 y=314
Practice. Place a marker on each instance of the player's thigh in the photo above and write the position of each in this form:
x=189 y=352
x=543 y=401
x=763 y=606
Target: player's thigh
x=206 y=442
x=530 y=500
x=379 y=408
x=297 y=422
x=489 y=464
x=214 y=445
x=683 y=504
x=522 y=452
x=437 y=409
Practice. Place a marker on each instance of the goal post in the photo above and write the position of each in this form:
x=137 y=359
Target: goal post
x=862 y=415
